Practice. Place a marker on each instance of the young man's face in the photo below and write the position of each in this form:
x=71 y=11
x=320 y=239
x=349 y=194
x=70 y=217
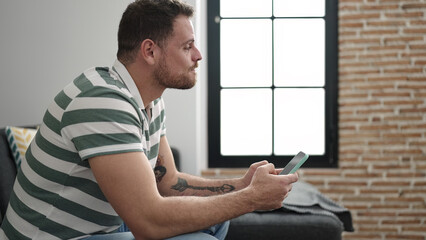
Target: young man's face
x=180 y=56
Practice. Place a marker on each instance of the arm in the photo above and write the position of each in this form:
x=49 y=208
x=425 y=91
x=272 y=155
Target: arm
x=173 y=183
x=129 y=184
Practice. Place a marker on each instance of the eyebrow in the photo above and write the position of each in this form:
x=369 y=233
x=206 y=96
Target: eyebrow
x=188 y=42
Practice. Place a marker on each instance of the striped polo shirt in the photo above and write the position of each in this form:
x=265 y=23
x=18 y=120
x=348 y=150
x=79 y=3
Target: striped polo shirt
x=56 y=195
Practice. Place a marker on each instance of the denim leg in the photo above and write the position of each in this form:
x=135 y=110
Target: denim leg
x=112 y=236
x=216 y=232
x=219 y=231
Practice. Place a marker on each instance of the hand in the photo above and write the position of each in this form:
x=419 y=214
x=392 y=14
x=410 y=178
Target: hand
x=270 y=189
x=250 y=172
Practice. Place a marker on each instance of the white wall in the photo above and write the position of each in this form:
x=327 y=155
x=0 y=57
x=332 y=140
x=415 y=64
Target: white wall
x=45 y=44
x=187 y=109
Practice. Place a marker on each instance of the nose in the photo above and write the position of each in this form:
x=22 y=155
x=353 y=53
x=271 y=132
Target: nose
x=196 y=55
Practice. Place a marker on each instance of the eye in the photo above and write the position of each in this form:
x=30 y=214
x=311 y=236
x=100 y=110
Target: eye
x=187 y=47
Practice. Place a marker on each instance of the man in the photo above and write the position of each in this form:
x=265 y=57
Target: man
x=101 y=156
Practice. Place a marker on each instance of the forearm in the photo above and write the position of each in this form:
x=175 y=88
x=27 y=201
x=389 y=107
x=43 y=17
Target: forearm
x=192 y=213
x=189 y=185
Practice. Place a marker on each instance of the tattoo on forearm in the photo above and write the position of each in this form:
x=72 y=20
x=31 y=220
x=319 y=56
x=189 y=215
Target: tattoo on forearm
x=159 y=169
x=182 y=185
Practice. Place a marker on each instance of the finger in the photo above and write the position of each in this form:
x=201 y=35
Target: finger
x=270 y=167
x=278 y=170
x=292 y=178
x=258 y=164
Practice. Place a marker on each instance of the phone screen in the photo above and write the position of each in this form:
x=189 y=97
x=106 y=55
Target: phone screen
x=294 y=163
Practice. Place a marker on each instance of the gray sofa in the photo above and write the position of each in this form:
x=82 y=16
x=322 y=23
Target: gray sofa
x=278 y=224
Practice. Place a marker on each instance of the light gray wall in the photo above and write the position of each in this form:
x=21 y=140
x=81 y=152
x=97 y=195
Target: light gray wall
x=45 y=44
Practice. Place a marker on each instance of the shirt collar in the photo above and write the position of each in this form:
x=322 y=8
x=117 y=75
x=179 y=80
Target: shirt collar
x=129 y=82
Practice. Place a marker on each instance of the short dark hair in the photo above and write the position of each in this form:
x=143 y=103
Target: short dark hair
x=148 y=19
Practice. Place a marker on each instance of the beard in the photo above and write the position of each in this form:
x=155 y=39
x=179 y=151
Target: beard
x=180 y=81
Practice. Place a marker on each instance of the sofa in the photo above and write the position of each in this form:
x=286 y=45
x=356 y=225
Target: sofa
x=271 y=225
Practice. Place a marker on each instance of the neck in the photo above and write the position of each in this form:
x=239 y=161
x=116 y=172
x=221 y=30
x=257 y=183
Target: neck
x=148 y=88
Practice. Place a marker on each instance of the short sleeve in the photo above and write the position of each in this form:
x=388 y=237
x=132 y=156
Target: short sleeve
x=103 y=123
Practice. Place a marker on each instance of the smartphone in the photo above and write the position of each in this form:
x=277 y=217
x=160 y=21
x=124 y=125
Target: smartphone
x=294 y=163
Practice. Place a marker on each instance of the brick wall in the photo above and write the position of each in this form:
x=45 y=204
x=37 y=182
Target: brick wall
x=382 y=120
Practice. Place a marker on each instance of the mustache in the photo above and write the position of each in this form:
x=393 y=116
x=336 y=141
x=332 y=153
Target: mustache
x=194 y=67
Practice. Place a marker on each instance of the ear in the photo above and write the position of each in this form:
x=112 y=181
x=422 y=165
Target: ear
x=148 y=50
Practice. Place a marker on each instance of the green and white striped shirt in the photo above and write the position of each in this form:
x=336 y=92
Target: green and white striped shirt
x=56 y=195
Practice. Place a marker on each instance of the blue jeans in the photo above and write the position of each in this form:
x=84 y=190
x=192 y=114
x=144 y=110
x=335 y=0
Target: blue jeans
x=216 y=232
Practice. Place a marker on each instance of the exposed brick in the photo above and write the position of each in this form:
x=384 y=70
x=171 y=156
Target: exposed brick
x=379 y=7
x=322 y=172
x=376 y=214
x=373 y=111
x=391 y=63
x=385 y=23
x=391 y=94
x=401 y=221
x=402 y=135
x=374 y=41
x=418 y=46
x=404 y=102
x=389 y=40
x=351 y=25
x=405 y=199
x=418 y=22
x=353 y=207
x=378 y=56
x=388 y=167
x=360 y=103
x=386 y=48
x=380 y=127
x=415 y=85
x=349 y=198
x=390 y=183
x=380 y=191
x=408 y=175
x=404 y=237
x=420 y=183
x=405 y=70
x=363 y=175
x=413 y=110
x=420 y=62
x=413 y=214
x=414 y=126
x=337 y=191
x=364 y=221
x=343 y=17
x=415 y=31
x=404 y=15
x=415 y=229
x=362 y=236
x=413 y=6
x=379 y=229
x=403 y=118
x=413 y=54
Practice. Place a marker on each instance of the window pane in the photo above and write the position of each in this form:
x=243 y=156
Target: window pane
x=245 y=8
x=299 y=8
x=246 y=121
x=299 y=45
x=299 y=121
x=246 y=53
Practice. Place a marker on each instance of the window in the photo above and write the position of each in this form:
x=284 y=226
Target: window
x=272 y=81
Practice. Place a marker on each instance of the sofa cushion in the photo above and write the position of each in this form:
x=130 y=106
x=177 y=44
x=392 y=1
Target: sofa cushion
x=282 y=224
x=7 y=173
x=19 y=139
